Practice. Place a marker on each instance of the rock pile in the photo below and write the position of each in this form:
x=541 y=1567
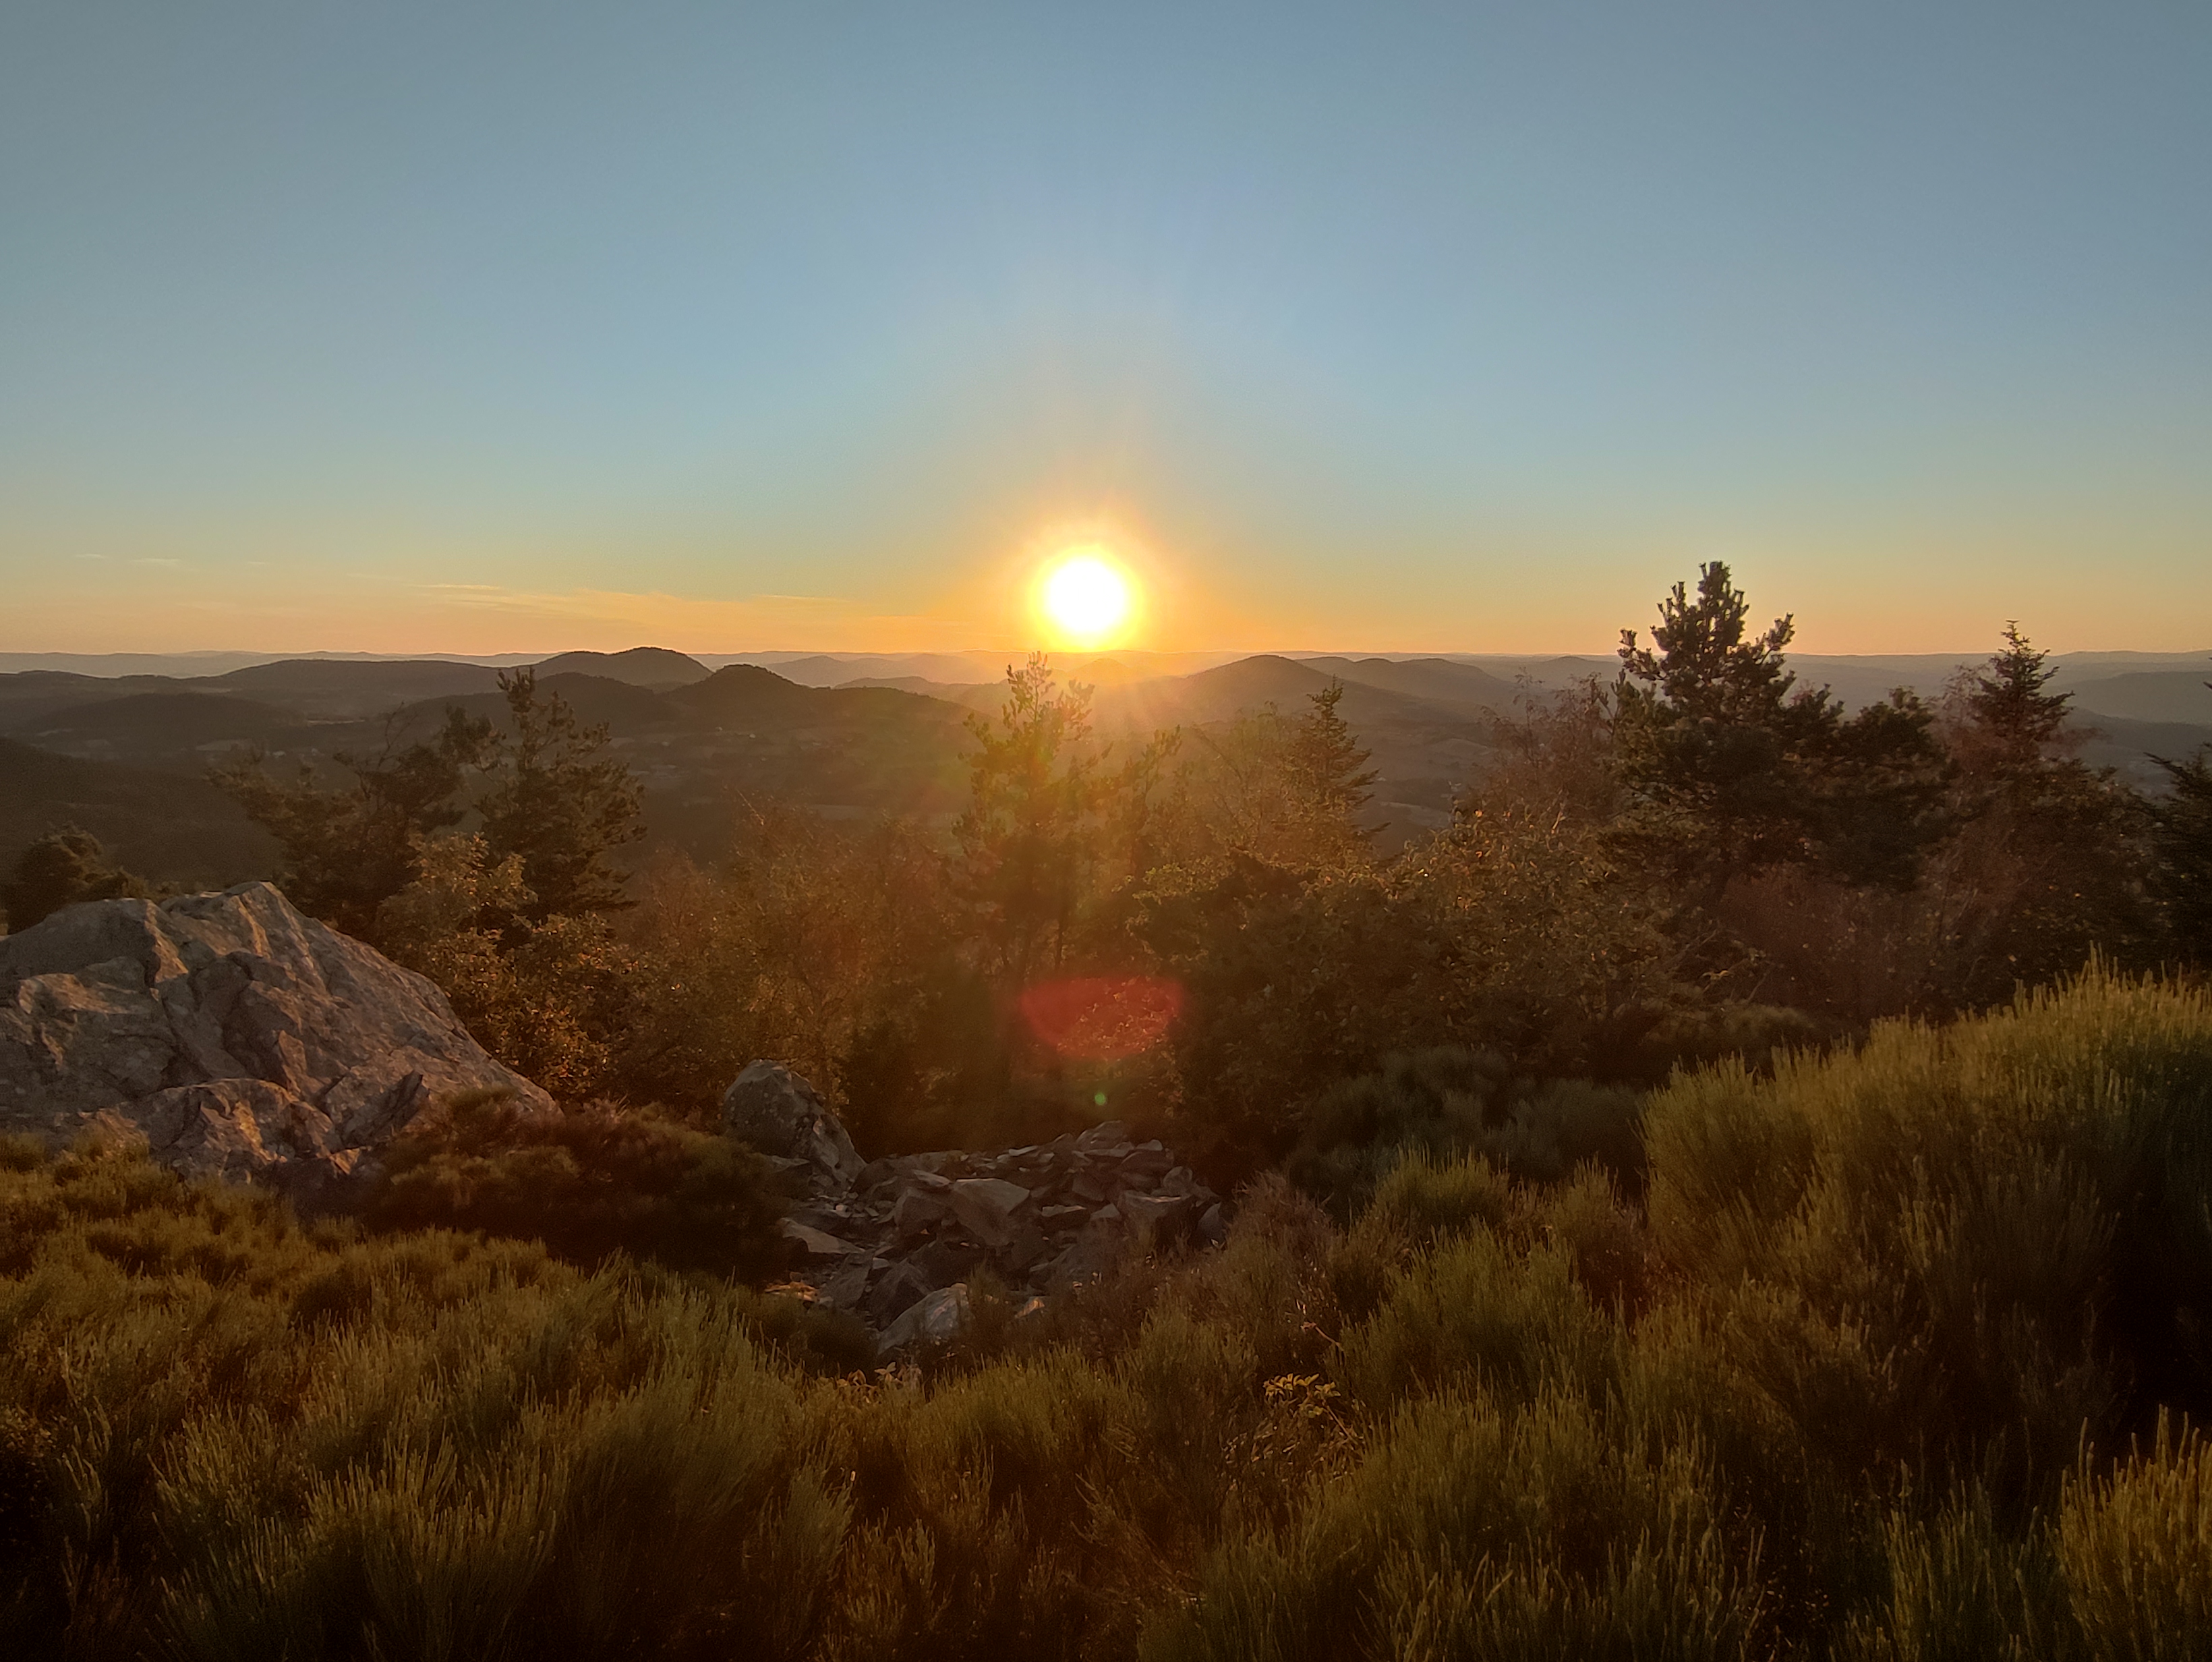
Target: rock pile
x=238 y=1037
x=895 y=1241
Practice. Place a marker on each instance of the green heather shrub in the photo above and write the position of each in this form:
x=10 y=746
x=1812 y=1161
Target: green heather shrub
x=1968 y=1244
x=1896 y=1363
x=1477 y=1311
x=1471 y=1529
x=1450 y=1100
x=588 y=1181
x=2134 y=1548
x=1432 y=1199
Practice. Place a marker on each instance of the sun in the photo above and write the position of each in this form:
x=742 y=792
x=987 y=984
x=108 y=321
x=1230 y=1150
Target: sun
x=1085 y=598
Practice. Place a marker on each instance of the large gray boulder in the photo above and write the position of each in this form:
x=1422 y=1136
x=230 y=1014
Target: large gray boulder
x=782 y=1116
x=235 y=1035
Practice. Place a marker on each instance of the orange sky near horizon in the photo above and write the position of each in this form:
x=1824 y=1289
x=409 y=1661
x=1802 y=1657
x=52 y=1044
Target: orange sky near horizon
x=1566 y=597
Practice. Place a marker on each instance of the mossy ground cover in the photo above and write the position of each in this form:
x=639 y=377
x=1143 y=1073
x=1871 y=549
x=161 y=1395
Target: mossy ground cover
x=1900 y=1354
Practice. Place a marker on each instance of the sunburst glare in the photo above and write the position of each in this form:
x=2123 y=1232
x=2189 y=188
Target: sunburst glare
x=1086 y=600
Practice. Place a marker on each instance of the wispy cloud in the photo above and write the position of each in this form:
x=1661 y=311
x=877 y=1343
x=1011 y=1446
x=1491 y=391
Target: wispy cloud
x=800 y=621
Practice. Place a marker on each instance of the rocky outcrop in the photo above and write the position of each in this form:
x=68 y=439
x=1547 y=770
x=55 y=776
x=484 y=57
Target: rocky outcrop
x=237 y=1036
x=896 y=1241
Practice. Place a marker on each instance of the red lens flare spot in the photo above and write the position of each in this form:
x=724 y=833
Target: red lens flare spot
x=1101 y=1017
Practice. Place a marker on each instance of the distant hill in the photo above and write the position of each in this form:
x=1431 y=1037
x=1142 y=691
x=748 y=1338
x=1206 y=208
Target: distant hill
x=2128 y=746
x=1434 y=680
x=336 y=688
x=32 y=695
x=707 y=744
x=825 y=669
x=744 y=695
x=596 y=699
x=641 y=667
x=2162 y=695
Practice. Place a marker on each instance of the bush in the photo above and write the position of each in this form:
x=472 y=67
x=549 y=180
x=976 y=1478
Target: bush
x=1448 y=1101
x=587 y=1181
x=1471 y=1531
x=2134 y=1546
x=60 y=869
x=2003 y=1220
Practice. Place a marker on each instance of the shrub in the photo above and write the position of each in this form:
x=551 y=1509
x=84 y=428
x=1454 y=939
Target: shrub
x=60 y=869
x=2135 y=1546
x=1449 y=1100
x=1489 y=1418
x=1469 y=1530
x=588 y=1181
x=2003 y=1220
x=1476 y=1311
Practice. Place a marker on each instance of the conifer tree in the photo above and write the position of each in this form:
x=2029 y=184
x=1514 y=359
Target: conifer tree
x=2008 y=701
x=1330 y=779
x=2181 y=842
x=2049 y=852
x=347 y=852
x=2182 y=845
x=1729 y=766
x=562 y=807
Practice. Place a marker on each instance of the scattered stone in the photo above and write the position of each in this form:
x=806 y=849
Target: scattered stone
x=916 y=1212
x=945 y=1260
x=1028 y=1248
x=894 y=1291
x=845 y=1285
x=932 y=1320
x=1157 y=1215
x=898 y=1240
x=779 y=1113
x=987 y=1206
x=814 y=1242
x=1094 y=1251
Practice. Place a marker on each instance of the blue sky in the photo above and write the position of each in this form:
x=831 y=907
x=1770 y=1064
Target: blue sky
x=491 y=327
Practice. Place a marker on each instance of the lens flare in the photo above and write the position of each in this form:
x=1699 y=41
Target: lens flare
x=1085 y=598
x=1102 y=1018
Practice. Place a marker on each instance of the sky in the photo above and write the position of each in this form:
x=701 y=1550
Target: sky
x=473 y=327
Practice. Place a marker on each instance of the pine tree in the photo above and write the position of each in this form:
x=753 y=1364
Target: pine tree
x=563 y=806
x=347 y=852
x=1728 y=766
x=2008 y=701
x=1329 y=778
x=1705 y=668
x=2181 y=841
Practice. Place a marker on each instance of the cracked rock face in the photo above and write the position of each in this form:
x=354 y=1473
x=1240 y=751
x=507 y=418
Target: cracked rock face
x=894 y=1241
x=237 y=1036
